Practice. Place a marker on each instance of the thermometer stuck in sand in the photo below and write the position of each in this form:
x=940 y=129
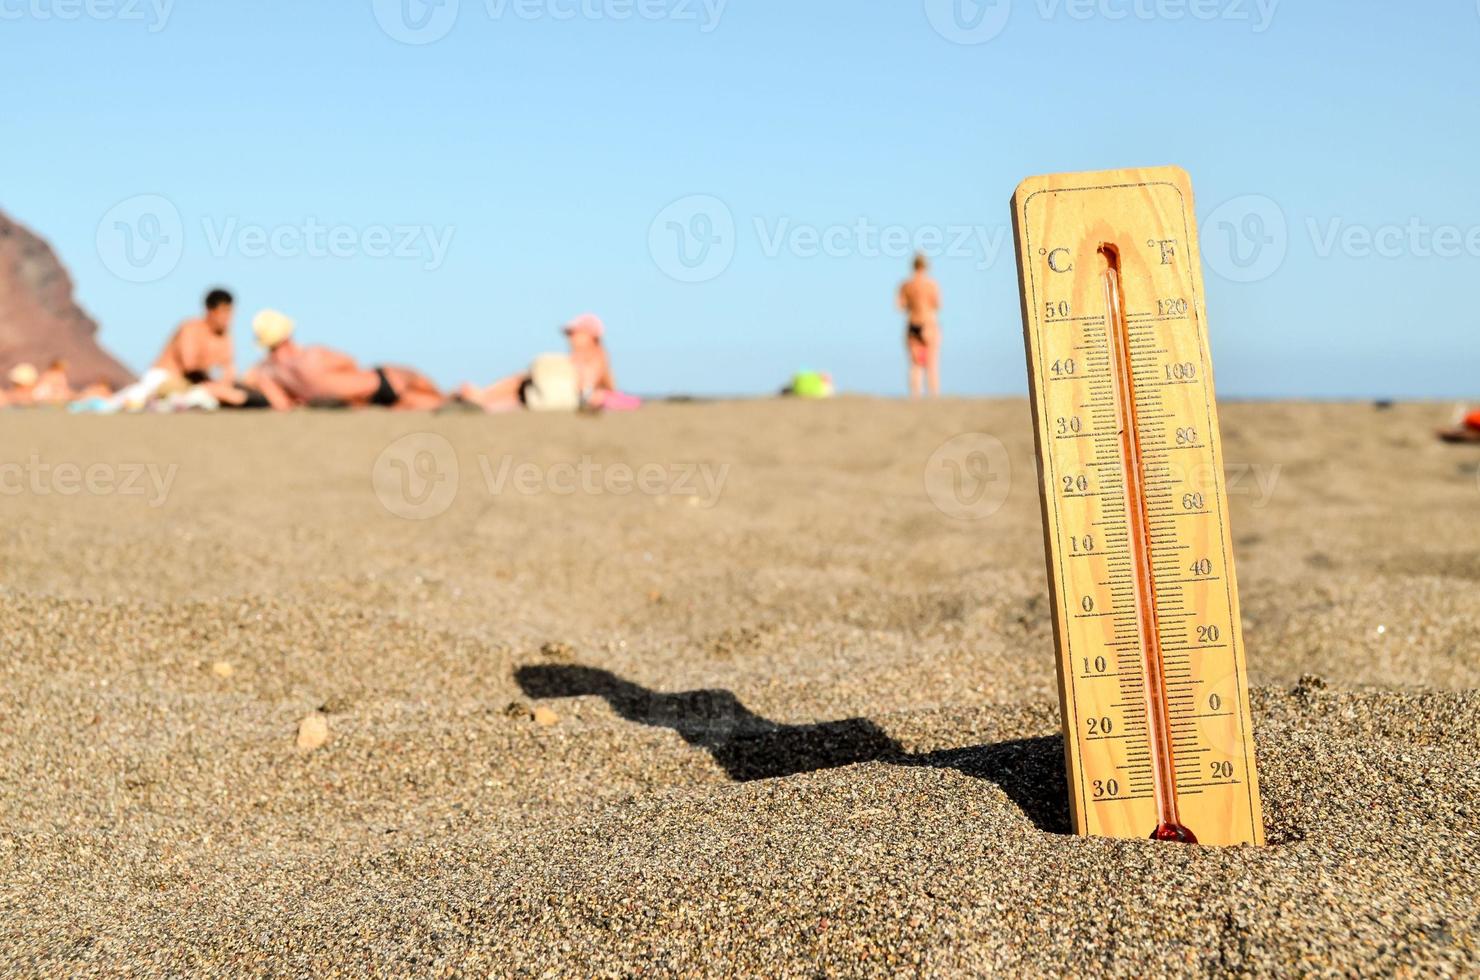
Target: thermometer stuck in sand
x=1140 y=557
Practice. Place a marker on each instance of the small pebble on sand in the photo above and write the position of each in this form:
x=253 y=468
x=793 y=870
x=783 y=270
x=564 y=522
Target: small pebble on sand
x=313 y=732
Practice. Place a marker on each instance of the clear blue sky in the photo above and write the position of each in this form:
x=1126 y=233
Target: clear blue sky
x=548 y=137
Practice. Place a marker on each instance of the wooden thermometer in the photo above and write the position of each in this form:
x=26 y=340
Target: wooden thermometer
x=1140 y=557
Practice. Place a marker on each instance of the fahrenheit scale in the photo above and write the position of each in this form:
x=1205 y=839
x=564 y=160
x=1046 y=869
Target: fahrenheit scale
x=1140 y=556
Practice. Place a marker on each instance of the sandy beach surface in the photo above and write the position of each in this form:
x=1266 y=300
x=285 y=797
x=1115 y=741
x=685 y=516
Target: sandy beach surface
x=700 y=690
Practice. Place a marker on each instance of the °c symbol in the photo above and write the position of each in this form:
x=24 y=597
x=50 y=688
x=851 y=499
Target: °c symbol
x=1058 y=264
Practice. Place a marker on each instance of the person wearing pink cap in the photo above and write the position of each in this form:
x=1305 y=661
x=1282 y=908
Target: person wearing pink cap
x=583 y=378
x=593 y=366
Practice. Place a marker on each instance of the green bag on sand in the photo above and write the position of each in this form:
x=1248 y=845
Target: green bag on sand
x=812 y=384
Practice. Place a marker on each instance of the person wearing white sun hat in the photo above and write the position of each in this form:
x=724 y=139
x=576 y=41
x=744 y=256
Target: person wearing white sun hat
x=558 y=382
x=293 y=375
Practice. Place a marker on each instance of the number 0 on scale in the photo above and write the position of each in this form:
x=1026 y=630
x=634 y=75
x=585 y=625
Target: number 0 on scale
x=1140 y=555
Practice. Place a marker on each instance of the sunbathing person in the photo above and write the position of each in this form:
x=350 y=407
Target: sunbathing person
x=1467 y=431
x=22 y=390
x=292 y=376
x=52 y=387
x=197 y=359
x=582 y=378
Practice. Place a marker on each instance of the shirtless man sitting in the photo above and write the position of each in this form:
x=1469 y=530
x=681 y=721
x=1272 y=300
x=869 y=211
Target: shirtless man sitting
x=292 y=375
x=919 y=298
x=198 y=355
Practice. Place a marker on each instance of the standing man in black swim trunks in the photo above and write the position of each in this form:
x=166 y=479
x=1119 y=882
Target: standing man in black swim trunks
x=919 y=298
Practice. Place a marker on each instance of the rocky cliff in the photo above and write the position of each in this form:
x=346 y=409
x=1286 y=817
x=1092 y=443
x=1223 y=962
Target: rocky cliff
x=39 y=320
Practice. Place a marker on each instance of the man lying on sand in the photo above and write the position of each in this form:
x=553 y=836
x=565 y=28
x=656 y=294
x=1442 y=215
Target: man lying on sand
x=557 y=381
x=197 y=364
x=292 y=375
x=49 y=387
x=1467 y=431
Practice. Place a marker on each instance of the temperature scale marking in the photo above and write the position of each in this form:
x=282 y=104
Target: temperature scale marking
x=1152 y=680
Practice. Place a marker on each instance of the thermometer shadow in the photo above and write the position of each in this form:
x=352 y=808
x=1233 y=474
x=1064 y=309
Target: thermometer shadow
x=750 y=747
x=1029 y=770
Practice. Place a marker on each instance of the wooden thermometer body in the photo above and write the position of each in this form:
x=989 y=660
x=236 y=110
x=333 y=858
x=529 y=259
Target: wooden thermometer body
x=1151 y=668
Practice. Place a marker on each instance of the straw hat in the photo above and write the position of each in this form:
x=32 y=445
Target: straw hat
x=272 y=328
x=553 y=385
x=24 y=375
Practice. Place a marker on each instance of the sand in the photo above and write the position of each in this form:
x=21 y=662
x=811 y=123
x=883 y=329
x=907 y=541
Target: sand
x=256 y=723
